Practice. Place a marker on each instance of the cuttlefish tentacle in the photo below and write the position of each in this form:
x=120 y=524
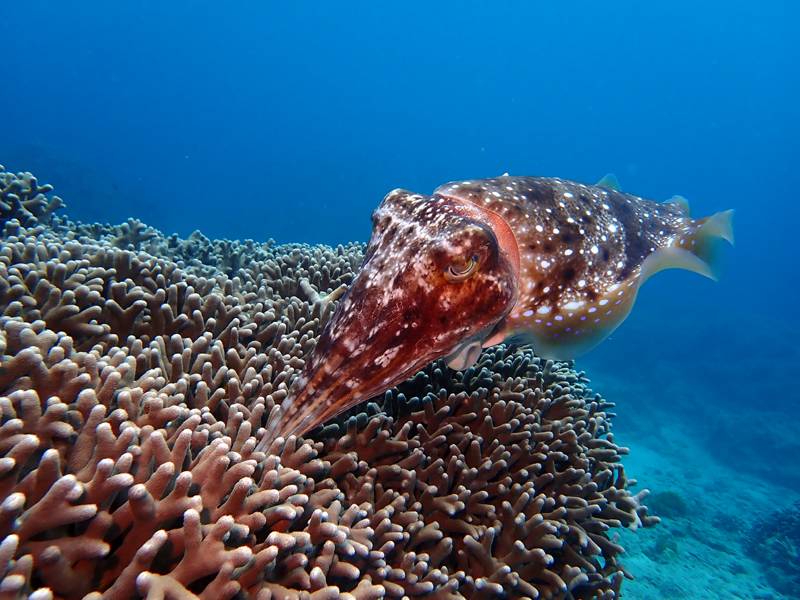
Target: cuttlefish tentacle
x=548 y=261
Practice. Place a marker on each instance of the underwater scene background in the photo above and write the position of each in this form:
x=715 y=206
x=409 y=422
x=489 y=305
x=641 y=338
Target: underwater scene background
x=291 y=121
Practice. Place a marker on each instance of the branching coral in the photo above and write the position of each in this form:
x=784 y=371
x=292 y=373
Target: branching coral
x=22 y=198
x=134 y=389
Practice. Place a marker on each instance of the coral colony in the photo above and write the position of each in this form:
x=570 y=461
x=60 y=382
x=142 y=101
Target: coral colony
x=139 y=371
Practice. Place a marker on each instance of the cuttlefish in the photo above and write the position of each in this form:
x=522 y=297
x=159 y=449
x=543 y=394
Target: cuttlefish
x=544 y=261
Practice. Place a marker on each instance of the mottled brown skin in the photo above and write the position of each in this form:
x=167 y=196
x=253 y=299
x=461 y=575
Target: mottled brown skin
x=582 y=220
x=582 y=252
x=406 y=307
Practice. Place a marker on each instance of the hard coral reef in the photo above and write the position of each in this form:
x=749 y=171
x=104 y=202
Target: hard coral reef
x=775 y=542
x=138 y=372
x=23 y=199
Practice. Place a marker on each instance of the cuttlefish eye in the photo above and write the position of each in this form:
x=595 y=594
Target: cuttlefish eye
x=467 y=251
x=460 y=272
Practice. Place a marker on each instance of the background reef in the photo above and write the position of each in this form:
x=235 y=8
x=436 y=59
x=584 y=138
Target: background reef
x=137 y=374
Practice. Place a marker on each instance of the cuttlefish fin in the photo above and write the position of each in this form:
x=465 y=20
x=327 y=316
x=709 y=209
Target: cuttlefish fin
x=610 y=182
x=696 y=251
x=465 y=356
x=682 y=204
x=718 y=225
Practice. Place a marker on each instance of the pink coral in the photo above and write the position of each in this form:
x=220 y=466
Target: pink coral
x=134 y=389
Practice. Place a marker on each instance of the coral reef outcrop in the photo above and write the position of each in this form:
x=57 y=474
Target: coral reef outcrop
x=774 y=540
x=23 y=199
x=138 y=372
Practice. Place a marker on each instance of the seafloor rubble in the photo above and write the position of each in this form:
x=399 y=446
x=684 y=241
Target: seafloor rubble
x=137 y=374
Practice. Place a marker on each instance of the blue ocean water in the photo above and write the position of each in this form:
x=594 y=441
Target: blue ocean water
x=292 y=120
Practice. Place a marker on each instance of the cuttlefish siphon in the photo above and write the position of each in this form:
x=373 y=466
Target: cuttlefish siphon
x=549 y=262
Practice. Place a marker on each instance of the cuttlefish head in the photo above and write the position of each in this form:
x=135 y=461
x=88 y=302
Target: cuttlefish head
x=438 y=276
